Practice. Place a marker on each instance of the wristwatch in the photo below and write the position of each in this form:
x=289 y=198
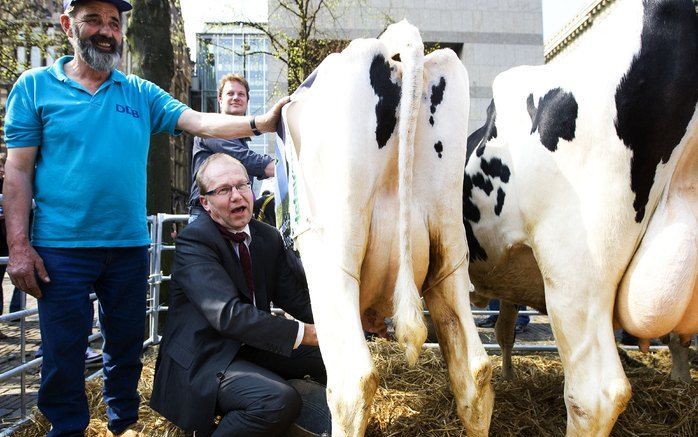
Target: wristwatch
x=253 y=126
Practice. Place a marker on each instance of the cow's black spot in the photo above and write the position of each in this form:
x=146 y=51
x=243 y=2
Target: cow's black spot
x=495 y=168
x=471 y=214
x=437 y=96
x=555 y=117
x=476 y=251
x=500 y=201
x=388 y=98
x=656 y=98
x=482 y=183
x=470 y=210
x=480 y=137
x=439 y=148
x=531 y=107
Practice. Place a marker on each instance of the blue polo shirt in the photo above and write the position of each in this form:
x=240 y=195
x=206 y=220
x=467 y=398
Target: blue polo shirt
x=90 y=178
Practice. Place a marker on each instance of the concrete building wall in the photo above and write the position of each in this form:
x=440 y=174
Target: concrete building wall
x=491 y=35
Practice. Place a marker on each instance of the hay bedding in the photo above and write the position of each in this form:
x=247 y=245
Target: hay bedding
x=417 y=401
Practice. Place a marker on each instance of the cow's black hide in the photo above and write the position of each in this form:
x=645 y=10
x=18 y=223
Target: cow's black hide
x=554 y=118
x=437 y=96
x=657 y=97
x=388 y=98
x=439 y=147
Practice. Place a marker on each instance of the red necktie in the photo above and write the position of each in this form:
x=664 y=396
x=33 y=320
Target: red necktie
x=245 y=259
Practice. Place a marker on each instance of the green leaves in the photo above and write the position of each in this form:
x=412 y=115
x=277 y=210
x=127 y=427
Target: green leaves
x=26 y=26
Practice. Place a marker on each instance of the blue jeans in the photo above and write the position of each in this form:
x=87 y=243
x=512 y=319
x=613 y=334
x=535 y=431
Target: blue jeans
x=521 y=319
x=16 y=301
x=119 y=278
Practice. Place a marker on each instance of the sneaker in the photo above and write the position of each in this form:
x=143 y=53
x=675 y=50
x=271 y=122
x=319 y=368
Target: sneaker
x=520 y=328
x=92 y=358
x=489 y=322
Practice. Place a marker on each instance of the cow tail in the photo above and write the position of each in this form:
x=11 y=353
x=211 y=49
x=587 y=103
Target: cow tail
x=410 y=328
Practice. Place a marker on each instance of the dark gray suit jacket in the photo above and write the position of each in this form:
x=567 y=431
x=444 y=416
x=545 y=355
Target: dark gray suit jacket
x=211 y=315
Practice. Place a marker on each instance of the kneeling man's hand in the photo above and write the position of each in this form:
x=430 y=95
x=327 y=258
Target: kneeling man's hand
x=309 y=335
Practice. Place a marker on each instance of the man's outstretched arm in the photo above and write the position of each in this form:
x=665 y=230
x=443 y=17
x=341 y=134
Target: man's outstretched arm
x=210 y=125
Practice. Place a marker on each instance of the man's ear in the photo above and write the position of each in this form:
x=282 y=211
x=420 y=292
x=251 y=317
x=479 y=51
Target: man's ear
x=65 y=25
x=204 y=202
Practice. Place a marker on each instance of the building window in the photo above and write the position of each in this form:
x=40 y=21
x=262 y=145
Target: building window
x=233 y=49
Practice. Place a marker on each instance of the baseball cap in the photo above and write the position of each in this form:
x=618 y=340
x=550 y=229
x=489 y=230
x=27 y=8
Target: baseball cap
x=121 y=5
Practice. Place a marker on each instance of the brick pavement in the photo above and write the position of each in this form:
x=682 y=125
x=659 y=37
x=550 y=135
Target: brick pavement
x=10 y=357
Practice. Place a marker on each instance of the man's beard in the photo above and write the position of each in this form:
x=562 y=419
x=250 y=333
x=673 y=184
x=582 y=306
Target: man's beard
x=95 y=58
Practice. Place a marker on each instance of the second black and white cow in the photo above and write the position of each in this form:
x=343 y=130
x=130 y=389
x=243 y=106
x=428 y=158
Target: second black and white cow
x=580 y=197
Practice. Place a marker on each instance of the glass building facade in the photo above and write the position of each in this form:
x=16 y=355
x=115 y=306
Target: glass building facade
x=233 y=48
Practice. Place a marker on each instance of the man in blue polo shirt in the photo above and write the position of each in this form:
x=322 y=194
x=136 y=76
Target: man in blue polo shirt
x=78 y=134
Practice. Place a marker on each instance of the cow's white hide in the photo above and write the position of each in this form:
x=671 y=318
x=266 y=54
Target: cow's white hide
x=382 y=221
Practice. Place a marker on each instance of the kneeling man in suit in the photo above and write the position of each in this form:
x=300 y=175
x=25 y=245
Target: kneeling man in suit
x=223 y=353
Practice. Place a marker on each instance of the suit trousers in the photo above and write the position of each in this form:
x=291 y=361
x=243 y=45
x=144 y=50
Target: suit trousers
x=254 y=398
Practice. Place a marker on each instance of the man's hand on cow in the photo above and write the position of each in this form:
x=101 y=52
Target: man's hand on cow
x=309 y=335
x=24 y=266
x=267 y=122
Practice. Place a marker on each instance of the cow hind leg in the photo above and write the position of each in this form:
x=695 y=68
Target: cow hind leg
x=352 y=379
x=469 y=368
x=504 y=331
x=596 y=388
x=680 y=368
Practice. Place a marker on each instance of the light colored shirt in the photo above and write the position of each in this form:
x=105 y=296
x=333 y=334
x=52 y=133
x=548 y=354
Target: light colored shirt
x=248 y=240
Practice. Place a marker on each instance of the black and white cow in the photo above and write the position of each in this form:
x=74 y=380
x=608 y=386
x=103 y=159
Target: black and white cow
x=374 y=147
x=580 y=197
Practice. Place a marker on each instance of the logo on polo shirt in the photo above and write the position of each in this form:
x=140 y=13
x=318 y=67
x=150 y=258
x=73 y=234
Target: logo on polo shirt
x=128 y=110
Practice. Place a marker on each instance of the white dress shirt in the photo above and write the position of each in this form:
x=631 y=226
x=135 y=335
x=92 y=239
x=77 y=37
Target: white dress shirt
x=248 y=240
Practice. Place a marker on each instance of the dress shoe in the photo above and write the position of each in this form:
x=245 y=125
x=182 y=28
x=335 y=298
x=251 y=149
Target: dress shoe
x=134 y=430
x=488 y=322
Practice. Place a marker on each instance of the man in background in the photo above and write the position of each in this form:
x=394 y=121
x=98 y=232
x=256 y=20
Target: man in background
x=233 y=99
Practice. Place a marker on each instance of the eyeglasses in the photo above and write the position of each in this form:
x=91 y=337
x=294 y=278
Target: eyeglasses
x=226 y=190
